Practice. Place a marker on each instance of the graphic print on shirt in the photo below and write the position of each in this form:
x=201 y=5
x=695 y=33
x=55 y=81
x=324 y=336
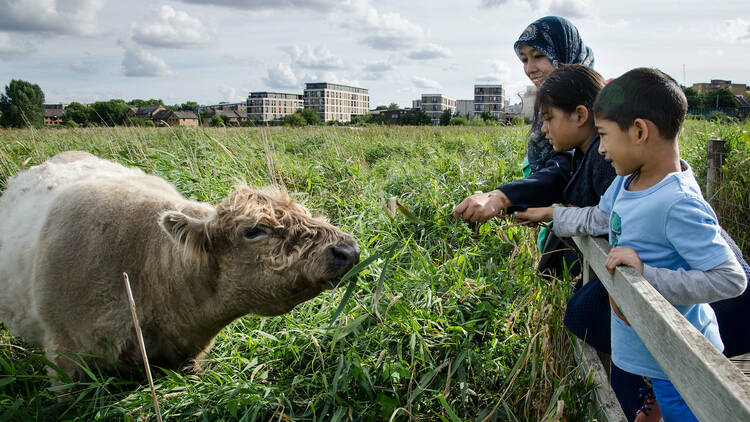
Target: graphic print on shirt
x=615 y=228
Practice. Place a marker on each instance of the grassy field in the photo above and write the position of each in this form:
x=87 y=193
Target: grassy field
x=462 y=329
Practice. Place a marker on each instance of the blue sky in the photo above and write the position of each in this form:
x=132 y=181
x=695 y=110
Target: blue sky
x=220 y=50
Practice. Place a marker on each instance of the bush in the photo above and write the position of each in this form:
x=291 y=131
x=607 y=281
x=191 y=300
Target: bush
x=517 y=120
x=459 y=121
x=216 y=121
x=720 y=117
x=294 y=120
x=70 y=124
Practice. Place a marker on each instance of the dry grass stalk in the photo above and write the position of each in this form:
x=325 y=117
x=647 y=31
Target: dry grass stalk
x=143 y=346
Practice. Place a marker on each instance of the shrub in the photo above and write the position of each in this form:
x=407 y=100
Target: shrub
x=294 y=120
x=517 y=120
x=459 y=121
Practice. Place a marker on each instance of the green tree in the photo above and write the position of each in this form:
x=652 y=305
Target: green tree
x=381 y=107
x=78 y=113
x=487 y=116
x=145 y=103
x=216 y=121
x=310 y=116
x=22 y=105
x=416 y=118
x=295 y=119
x=720 y=98
x=109 y=113
x=393 y=106
x=363 y=119
x=693 y=97
x=189 y=106
x=445 y=118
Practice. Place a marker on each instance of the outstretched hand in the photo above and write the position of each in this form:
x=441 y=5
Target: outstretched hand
x=534 y=215
x=623 y=256
x=480 y=207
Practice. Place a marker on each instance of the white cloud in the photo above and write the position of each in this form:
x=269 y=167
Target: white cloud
x=139 y=62
x=385 y=31
x=424 y=83
x=14 y=46
x=229 y=94
x=378 y=67
x=735 y=30
x=571 y=8
x=492 y=3
x=567 y=8
x=80 y=66
x=499 y=71
x=64 y=17
x=281 y=76
x=319 y=58
x=270 y=5
x=171 y=28
x=430 y=51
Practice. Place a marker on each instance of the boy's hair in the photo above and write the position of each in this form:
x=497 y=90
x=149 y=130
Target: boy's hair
x=647 y=94
x=568 y=87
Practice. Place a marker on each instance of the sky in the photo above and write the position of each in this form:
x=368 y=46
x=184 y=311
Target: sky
x=221 y=50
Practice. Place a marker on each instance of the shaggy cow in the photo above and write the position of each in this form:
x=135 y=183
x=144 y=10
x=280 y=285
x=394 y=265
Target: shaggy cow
x=71 y=226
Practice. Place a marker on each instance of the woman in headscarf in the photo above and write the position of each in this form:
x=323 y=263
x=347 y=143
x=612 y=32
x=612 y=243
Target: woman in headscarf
x=542 y=47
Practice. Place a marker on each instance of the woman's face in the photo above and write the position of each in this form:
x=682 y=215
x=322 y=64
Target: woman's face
x=535 y=64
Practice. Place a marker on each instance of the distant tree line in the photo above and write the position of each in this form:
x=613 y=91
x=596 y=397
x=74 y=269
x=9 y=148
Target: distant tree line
x=722 y=98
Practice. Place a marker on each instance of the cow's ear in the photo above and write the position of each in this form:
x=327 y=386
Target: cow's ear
x=191 y=233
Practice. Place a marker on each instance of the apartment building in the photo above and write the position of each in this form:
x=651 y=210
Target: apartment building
x=719 y=84
x=272 y=106
x=435 y=104
x=489 y=97
x=335 y=101
x=465 y=108
x=240 y=108
x=527 y=102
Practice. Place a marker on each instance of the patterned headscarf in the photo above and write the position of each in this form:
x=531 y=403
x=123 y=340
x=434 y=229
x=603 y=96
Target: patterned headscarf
x=558 y=39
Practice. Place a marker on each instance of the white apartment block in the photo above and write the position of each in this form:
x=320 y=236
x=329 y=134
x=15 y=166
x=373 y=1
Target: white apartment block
x=272 y=106
x=336 y=102
x=489 y=97
x=465 y=108
x=416 y=103
x=435 y=104
x=527 y=102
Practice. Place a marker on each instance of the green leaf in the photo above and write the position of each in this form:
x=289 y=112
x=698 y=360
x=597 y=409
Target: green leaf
x=350 y=289
x=448 y=409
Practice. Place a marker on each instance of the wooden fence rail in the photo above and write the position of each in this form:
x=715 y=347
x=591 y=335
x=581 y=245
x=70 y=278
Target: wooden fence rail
x=711 y=385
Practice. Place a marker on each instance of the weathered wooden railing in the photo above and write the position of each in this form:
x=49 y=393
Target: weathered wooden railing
x=711 y=385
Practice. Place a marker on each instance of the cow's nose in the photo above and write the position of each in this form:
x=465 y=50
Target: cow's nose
x=343 y=256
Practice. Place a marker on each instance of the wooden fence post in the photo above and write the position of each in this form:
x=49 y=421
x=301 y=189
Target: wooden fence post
x=717 y=150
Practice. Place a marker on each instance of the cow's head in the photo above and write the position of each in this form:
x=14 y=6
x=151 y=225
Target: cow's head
x=266 y=249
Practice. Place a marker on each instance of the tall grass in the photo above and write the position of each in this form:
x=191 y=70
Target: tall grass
x=463 y=328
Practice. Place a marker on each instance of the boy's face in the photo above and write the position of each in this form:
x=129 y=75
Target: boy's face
x=617 y=146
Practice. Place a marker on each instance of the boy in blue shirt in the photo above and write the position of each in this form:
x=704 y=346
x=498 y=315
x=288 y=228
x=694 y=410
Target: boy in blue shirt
x=657 y=220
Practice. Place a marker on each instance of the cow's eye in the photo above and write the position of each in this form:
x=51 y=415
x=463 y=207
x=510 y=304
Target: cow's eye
x=252 y=233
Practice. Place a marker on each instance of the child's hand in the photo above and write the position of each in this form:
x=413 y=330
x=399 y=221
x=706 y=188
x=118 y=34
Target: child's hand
x=534 y=215
x=623 y=256
x=482 y=206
